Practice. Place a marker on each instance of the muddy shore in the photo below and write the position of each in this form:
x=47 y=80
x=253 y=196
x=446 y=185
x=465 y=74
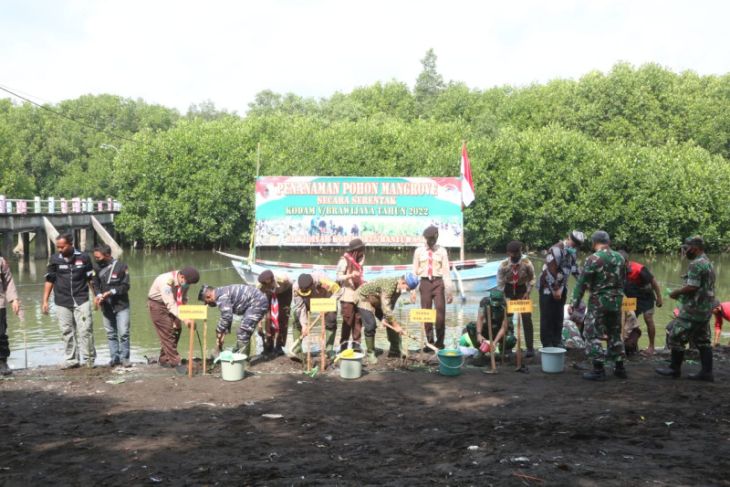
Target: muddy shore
x=148 y=426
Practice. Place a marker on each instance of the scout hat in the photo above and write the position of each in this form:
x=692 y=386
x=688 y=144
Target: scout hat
x=355 y=244
x=266 y=276
x=192 y=276
x=431 y=232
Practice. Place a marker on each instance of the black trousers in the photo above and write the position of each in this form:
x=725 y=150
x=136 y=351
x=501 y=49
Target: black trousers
x=510 y=292
x=551 y=319
x=4 y=344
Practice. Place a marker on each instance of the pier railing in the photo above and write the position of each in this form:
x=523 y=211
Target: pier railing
x=52 y=205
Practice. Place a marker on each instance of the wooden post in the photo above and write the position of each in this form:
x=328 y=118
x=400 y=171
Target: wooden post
x=309 y=343
x=504 y=337
x=423 y=343
x=205 y=346
x=322 y=340
x=190 y=351
x=492 y=346
x=519 y=345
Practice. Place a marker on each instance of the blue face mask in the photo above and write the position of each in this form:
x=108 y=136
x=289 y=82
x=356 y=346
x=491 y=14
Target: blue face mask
x=571 y=250
x=185 y=285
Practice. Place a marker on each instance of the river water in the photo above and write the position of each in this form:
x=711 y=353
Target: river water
x=41 y=337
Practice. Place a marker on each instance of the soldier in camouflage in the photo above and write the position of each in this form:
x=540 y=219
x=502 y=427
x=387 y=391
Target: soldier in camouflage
x=495 y=303
x=696 y=298
x=603 y=275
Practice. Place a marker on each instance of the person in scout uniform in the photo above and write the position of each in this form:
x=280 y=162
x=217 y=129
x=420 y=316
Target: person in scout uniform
x=431 y=265
x=167 y=293
x=279 y=291
x=350 y=277
x=500 y=327
x=560 y=263
x=516 y=278
x=375 y=301
x=242 y=300
x=70 y=277
x=309 y=286
x=8 y=295
x=697 y=300
x=111 y=283
x=641 y=284
x=603 y=275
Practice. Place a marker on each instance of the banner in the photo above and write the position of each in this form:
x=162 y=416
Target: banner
x=331 y=211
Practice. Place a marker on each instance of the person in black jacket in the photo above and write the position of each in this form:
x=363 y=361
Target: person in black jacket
x=69 y=276
x=111 y=283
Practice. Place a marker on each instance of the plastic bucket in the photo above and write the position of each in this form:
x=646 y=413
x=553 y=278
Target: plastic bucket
x=351 y=367
x=234 y=369
x=450 y=362
x=552 y=359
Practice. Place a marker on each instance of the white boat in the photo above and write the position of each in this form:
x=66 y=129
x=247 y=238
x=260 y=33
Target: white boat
x=469 y=276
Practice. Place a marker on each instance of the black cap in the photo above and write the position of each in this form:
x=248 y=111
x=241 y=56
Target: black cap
x=305 y=281
x=192 y=276
x=600 y=237
x=266 y=276
x=355 y=244
x=431 y=232
x=201 y=293
x=695 y=241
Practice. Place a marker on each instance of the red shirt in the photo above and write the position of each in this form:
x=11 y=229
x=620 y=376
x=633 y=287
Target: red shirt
x=724 y=313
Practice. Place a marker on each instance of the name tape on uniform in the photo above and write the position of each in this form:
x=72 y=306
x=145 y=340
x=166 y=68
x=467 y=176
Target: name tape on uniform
x=322 y=305
x=193 y=312
x=422 y=315
x=629 y=304
x=519 y=306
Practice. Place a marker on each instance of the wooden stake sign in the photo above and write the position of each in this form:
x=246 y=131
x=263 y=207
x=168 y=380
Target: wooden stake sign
x=322 y=305
x=629 y=304
x=422 y=315
x=193 y=312
x=519 y=306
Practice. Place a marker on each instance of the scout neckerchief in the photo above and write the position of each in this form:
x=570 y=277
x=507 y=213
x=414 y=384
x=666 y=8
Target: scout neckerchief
x=179 y=294
x=515 y=276
x=356 y=281
x=274 y=312
x=430 y=263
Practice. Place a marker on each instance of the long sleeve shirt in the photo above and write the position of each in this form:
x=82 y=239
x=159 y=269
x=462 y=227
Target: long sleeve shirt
x=8 y=292
x=235 y=300
x=166 y=289
x=379 y=295
x=559 y=265
x=439 y=260
x=516 y=275
x=114 y=278
x=70 y=278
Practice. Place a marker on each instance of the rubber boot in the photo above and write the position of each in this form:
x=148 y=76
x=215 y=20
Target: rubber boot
x=370 y=343
x=619 y=370
x=330 y=343
x=675 y=366
x=394 y=340
x=244 y=347
x=4 y=369
x=597 y=374
x=706 y=373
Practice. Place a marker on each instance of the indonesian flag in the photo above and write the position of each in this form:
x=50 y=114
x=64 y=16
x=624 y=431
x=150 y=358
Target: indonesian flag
x=467 y=184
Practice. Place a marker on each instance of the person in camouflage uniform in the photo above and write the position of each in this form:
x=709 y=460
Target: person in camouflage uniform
x=603 y=275
x=375 y=300
x=697 y=299
x=500 y=327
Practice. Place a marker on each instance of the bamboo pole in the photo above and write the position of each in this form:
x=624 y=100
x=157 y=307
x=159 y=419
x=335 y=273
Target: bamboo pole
x=205 y=346
x=519 y=345
x=190 y=350
x=322 y=344
x=492 y=347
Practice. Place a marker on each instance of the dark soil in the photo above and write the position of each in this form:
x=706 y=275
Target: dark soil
x=391 y=427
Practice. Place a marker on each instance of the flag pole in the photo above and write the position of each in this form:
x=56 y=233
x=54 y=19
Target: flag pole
x=461 y=185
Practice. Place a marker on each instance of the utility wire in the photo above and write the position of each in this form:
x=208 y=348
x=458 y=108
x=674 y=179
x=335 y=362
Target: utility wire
x=62 y=115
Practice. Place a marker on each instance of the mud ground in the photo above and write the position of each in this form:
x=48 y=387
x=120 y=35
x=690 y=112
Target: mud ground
x=394 y=426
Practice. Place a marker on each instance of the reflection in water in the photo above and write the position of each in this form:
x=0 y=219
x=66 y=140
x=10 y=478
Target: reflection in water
x=44 y=340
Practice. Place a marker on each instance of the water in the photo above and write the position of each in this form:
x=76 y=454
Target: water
x=44 y=346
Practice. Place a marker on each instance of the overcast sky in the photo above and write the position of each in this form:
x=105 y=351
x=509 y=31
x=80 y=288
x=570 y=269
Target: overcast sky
x=181 y=52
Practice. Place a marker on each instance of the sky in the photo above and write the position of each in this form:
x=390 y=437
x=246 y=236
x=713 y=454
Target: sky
x=179 y=53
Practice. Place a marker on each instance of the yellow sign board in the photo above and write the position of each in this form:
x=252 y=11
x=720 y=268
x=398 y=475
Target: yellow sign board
x=322 y=305
x=422 y=315
x=629 y=304
x=193 y=312
x=519 y=306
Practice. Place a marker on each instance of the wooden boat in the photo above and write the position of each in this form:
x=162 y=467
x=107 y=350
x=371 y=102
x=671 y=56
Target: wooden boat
x=469 y=276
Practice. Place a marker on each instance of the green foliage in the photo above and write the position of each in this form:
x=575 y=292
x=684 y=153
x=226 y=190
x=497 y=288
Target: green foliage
x=640 y=152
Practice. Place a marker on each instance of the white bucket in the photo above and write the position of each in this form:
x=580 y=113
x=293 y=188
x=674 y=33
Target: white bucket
x=351 y=368
x=235 y=369
x=553 y=359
